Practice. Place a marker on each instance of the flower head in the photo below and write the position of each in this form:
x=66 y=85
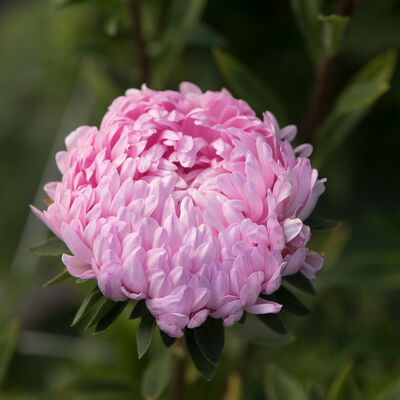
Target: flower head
x=187 y=200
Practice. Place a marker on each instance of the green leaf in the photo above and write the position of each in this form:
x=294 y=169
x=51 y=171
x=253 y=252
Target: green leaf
x=57 y=279
x=353 y=103
x=8 y=341
x=110 y=317
x=281 y=386
x=343 y=386
x=88 y=302
x=167 y=340
x=205 y=367
x=52 y=246
x=289 y=301
x=299 y=281
x=315 y=393
x=392 y=392
x=318 y=223
x=210 y=338
x=156 y=376
x=140 y=310
x=333 y=28
x=248 y=86
x=273 y=322
x=183 y=15
x=306 y=13
x=105 y=307
x=144 y=334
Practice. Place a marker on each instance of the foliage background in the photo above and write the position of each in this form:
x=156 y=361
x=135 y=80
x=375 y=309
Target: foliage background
x=62 y=62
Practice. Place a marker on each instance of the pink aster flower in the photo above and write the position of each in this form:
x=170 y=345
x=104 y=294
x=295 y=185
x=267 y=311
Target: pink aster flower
x=187 y=200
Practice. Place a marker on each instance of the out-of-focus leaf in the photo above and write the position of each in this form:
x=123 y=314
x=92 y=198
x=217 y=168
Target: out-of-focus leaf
x=90 y=300
x=50 y=247
x=233 y=387
x=204 y=35
x=144 y=334
x=58 y=278
x=167 y=340
x=343 y=387
x=333 y=27
x=370 y=83
x=66 y=3
x=278 y=385
x=8 y=340
x=210 y=338
x=248 y=86
x=289 y=301
x=306 y=13
x=140 y=310
x=273 y=322
x=181 y=18
x=392 y=392
x=299 y=281
x=254 y=331
x=156 y=376
x=315 y=222
x=205 y=367
x=315 y=393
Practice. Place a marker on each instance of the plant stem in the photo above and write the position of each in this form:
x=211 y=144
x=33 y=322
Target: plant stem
x=324 y=83
x=178 y=380
x=140 y=43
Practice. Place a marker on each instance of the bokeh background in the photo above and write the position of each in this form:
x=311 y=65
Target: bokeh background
x=62 y=63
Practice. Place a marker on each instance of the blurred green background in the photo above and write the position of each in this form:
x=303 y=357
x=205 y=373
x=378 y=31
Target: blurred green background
x=62 y=63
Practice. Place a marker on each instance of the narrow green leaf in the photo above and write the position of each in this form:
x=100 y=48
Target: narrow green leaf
x=144 y=334
x=318 y=223
x=140 y=310
x=110 y=317
x=273 y=322
x=57 y=279
x=210 y=338
x=243 y=319
x=8 y=341
x=306 y=13
x=300 y=282
x=90 y=300
x=105 y=307
x=201 y=363
x=156 y=376
x=52 y=246
x=343 y=386
x=167 y=340
x=248 y=86
x=279 y=385
x=353 y=103
x=289 y=301
x=333 y=28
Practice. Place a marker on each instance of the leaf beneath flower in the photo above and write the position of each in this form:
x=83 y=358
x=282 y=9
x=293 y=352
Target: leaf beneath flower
x=273 y=322
x=205 y=367
x=140 y=310
x=57 y=279
x=144 y=334
x=167 y=340
x=89 y=301
x=300 y=282
x=288 y=300
x=318 y=223
x=52 y=246
x=210 y=338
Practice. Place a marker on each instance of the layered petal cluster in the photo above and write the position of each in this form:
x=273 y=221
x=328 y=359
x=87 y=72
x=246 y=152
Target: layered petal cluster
x=187 y=200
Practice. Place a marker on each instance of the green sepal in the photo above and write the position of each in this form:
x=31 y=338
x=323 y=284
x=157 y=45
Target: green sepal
x=144 y=334
x=205 y=367
x=105 y=307
x=319 y=223
x=299 y=281
x=210 y=338
x=88 y=302
x=52 y=246
x=288 y=300
x=64 y=275
x=273 y=322
x=110 y=317
x=166 y=339
x=140 y=310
